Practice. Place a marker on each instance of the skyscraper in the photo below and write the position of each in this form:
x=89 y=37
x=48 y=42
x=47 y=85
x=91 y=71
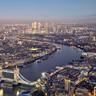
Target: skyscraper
x=34 y=26
x=42 y=29
x=46 y=27
x=54 y=29
x=39 y=27
x=52 y=26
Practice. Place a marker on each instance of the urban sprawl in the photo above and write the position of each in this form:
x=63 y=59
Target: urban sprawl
x=22 y=44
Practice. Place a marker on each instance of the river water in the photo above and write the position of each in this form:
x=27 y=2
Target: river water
x=33 y=71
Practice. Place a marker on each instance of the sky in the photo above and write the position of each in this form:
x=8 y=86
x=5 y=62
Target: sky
x=60 y=10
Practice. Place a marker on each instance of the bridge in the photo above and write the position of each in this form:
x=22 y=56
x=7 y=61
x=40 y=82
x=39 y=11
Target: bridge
x=18 y=77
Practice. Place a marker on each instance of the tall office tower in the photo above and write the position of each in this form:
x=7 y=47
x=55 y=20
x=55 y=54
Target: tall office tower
x=49 y=29
x=67 y=84
x=54 y=29
x=52 y=26
x=42 y=29
x=39 y=27
x=35 y=25
x=46 y=27
x=58 y=28
x=32 y=27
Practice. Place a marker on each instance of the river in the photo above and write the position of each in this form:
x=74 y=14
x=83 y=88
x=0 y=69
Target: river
x=33 y=71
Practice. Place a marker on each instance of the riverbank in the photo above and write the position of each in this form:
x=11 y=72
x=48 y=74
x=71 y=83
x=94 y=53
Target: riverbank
x=85 y=45
x=20 y=51
x=29 y=60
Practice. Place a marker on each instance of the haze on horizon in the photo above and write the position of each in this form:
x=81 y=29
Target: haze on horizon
x=65 y=11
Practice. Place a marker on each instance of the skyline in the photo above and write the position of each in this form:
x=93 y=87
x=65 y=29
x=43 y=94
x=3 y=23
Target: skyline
x=48 y=10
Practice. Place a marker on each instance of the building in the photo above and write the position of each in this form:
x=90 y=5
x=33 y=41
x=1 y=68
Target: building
x=42 y=29
x=46 y=27
x=91 y=36
x=95 y=91
x=39 y=27
x=81 y=92
x=52 y=24
x=34 y=26
x=54 y=29
x=67 y=84
x=84 y=89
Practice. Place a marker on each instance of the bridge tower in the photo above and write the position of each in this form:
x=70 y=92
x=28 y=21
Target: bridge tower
x=0 y=71
x=16 y=74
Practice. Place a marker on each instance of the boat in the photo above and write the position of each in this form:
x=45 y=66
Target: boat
x=51 y=56
x=38 y=61
x=20 y=65
x=79 y=50
x=58 y=48
x=46 y=57
x=73 y=47
x=34 y=92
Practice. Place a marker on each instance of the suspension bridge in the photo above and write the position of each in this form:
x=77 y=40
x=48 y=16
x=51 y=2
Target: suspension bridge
x=18 y=77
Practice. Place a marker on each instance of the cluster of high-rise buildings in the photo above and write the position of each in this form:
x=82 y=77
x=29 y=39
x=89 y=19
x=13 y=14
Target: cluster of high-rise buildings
x=37 y=27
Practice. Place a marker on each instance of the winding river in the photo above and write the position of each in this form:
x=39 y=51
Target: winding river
x=33 y=71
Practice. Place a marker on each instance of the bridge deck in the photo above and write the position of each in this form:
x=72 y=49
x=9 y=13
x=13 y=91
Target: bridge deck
x=17 y=76
x=20 y=81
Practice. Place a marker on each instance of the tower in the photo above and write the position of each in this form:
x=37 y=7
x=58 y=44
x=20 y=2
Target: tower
x=16 y=74
x=39 y=27
x=52 y=25
x=46 y=27
x=42 y=29
x=34 y=26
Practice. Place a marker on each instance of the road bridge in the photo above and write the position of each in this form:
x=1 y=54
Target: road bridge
x=18 y=77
